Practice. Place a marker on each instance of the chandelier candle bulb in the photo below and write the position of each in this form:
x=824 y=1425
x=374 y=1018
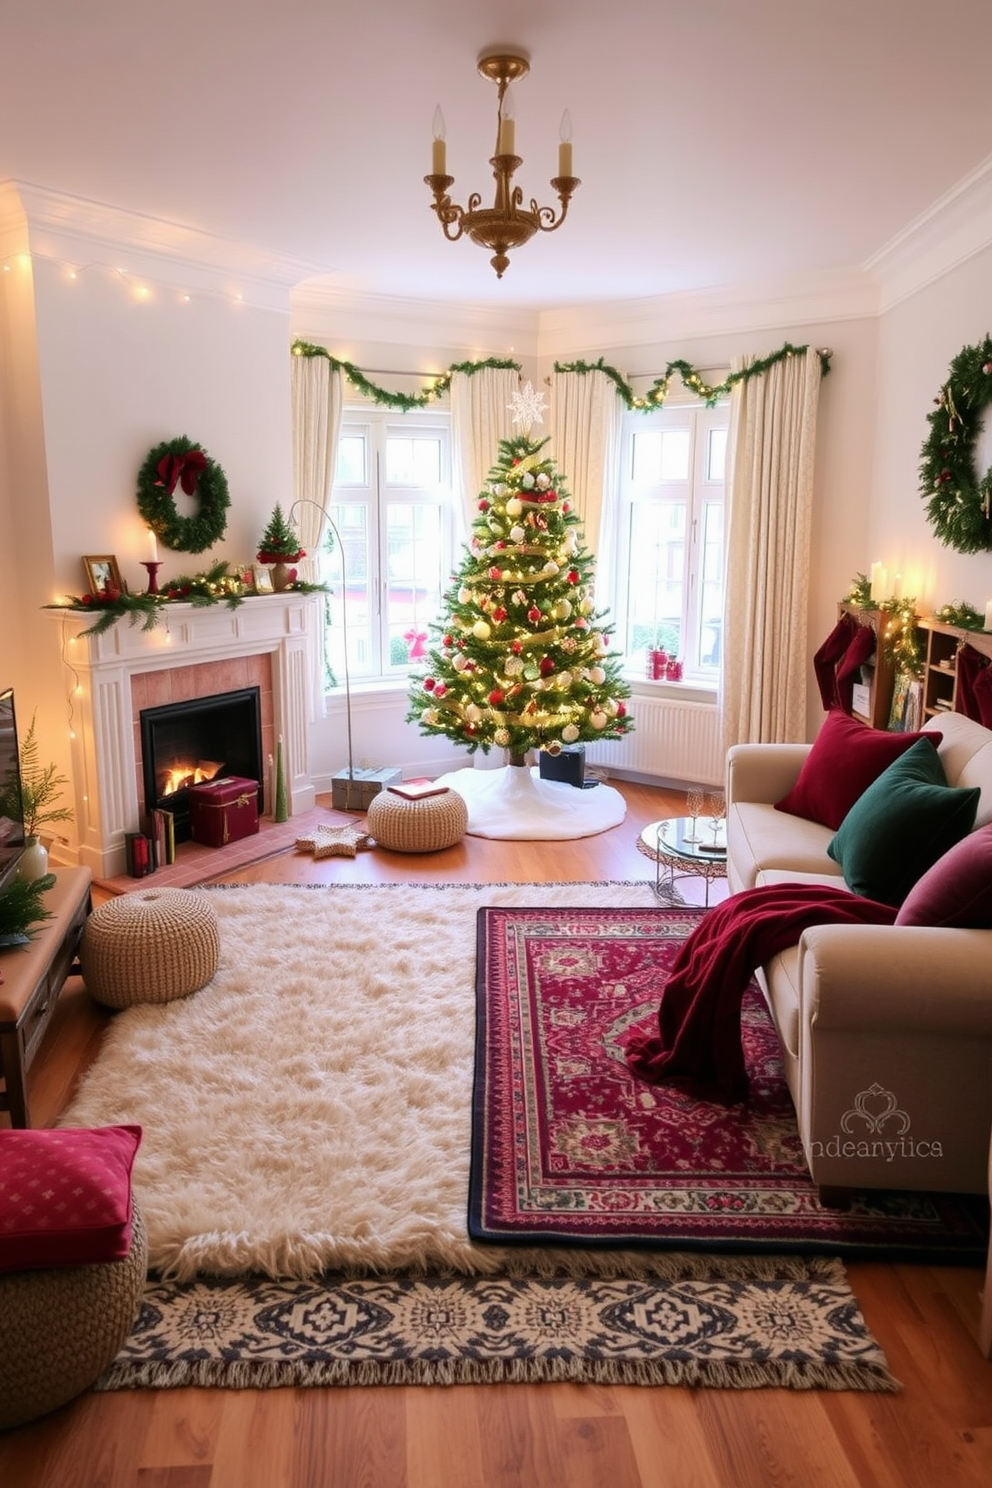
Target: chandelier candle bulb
x=439 y=152
x=507 y=127
x=565 y=145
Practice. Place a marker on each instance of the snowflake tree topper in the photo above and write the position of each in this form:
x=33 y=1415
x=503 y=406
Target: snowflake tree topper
x=527 y=406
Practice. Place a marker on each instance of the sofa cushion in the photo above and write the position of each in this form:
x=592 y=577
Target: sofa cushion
x=901 y=825
x=966 y=753
x=957 y=890
x=846 y=757
x=65 y=1196
x=759 y=837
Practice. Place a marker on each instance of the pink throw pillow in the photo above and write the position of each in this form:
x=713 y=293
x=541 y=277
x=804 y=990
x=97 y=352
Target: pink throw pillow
x=957 y=890
x=846 y=758
x=65 y=1196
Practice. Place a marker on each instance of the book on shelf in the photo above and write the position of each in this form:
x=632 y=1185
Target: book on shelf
x=416 y=790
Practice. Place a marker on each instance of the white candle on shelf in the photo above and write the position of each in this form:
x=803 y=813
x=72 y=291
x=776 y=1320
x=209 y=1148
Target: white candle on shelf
x=988 y=615
x=879 y=579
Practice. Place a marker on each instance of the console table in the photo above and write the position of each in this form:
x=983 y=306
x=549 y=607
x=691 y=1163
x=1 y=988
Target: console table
x=33 y=976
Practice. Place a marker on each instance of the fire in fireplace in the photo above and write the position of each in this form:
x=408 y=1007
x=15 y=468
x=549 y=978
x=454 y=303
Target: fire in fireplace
x=187 y=743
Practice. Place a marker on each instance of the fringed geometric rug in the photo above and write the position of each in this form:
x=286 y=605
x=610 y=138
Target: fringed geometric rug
x=570 y=1148
x=735 y=1334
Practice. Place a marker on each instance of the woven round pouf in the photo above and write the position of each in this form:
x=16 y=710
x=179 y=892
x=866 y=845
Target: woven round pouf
x=60 y=1328
x=150 y=946
x=426 y=825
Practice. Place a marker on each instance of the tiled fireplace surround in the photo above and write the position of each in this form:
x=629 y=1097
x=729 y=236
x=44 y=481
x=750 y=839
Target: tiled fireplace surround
x=269 y=642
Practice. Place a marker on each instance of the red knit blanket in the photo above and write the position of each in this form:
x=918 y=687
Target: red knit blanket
x=699 y=1020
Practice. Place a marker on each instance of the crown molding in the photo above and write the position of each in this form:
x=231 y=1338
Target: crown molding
x=80 y=233
x=953 y=229
x=319 y=308
x=748 y=308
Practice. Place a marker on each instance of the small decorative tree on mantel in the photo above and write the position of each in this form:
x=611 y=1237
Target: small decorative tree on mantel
x=280 y=546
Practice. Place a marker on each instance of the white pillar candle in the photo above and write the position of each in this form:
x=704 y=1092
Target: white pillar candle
x=988 y=615
x=152 y=546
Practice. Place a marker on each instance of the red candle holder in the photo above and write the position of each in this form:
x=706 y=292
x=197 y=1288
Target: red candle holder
x=153 y=569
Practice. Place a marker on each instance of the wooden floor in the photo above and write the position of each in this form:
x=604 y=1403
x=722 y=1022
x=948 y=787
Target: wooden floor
x=937 y=1433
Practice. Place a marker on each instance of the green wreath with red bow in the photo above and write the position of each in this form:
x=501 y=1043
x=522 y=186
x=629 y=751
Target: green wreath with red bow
x=959 y=504
x=180 y=462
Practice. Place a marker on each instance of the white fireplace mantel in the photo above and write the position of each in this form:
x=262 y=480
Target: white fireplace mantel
x=99 y=670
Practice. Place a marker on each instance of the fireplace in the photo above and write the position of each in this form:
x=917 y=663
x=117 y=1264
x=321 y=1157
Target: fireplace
x=188 y=743
x=271 y=642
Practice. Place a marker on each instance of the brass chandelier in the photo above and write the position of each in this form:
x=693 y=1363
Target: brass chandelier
x=507 y=223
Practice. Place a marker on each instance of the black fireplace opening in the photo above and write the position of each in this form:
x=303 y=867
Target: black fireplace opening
x=189 y=743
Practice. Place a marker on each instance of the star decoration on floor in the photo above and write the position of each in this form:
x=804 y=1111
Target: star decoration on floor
x=334 y=842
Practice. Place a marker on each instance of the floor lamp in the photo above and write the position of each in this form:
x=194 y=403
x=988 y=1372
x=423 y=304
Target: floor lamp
x=350 y=790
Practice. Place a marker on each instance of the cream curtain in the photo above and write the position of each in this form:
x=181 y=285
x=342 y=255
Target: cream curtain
x=587 y=419
x=770 y=492
x=480 y=418
x=318 y=403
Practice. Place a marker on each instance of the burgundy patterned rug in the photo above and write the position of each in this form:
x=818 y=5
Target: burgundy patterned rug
x=568 y=1148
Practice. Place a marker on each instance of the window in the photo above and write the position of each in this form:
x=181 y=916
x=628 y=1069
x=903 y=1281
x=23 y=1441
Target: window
x=670 y=581
x=392 y=503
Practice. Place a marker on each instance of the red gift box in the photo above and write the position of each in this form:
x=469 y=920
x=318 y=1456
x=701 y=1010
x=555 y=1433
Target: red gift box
x=223 y=810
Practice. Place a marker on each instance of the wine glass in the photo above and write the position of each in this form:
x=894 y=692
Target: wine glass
x=695 y=797
x=717 y=803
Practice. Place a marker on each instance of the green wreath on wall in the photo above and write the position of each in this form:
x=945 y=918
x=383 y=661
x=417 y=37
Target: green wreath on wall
x=181 y=462
x=958 y=503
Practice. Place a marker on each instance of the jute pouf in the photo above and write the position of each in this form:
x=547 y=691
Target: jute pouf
x=426 y=825
x=61 y=1328
x=150 y=946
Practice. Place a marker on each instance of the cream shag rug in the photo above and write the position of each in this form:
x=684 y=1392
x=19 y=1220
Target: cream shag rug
x=310 y=1108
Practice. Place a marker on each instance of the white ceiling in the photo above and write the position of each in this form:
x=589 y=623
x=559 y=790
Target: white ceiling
x=719 y=142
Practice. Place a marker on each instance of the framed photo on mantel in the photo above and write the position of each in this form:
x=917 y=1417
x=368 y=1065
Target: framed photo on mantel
x=103 y=577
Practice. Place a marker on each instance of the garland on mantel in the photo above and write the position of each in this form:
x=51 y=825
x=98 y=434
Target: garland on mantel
x=636 y=403
x=217 y=585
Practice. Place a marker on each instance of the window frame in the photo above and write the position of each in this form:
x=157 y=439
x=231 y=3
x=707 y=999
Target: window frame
x=697 y=490
x=376 y=495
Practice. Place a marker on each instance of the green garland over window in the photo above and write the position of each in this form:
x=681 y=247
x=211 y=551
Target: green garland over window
x=643 y=403
x=958 y=503
x=181 y=462
x=709 y=393
x=402 y=402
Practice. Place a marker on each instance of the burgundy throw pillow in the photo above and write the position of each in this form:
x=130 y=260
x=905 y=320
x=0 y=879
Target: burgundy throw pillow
x=846 y=758
x=957 y=890
x=65 y=1196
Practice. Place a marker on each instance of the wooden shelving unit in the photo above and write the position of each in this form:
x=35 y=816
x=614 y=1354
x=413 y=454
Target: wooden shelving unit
x=940 y=681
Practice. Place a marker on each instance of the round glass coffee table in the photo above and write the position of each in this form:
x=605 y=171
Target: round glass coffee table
x=685 y=848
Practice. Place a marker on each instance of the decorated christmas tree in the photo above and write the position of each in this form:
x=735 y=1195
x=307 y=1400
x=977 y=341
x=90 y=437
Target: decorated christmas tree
x=521 y=658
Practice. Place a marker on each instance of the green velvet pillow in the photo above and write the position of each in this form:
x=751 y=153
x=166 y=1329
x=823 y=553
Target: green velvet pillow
x=907 y=819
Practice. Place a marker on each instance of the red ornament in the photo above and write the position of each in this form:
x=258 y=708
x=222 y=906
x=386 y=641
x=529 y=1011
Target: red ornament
x=566 y=506
x=533 y=615
x=573 y=575
x=499 y=614
x=496 y=574
x=86 y=599
x=449 y=642
x=429 y=684
x=440 y=690
x=621 y=710
x=495 y=698
x=516 y=647
x=483 y=505
x=546 y=666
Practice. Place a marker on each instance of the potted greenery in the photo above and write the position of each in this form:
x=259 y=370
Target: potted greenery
x=41 y=789
x=280 y=546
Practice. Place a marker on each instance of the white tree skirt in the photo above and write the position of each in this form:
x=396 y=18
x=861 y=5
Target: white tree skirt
x=515 y=802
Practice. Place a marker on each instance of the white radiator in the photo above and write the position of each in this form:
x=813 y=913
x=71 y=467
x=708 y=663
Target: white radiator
x=672 y=740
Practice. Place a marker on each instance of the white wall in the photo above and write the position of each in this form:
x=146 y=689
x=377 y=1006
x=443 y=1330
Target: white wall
x=917 y=341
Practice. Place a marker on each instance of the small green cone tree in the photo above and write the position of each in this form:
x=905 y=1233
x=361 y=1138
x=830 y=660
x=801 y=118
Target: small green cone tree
x=521 y=658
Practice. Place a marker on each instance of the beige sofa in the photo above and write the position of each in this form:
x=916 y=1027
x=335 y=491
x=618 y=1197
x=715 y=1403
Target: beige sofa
x=886 y=1031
